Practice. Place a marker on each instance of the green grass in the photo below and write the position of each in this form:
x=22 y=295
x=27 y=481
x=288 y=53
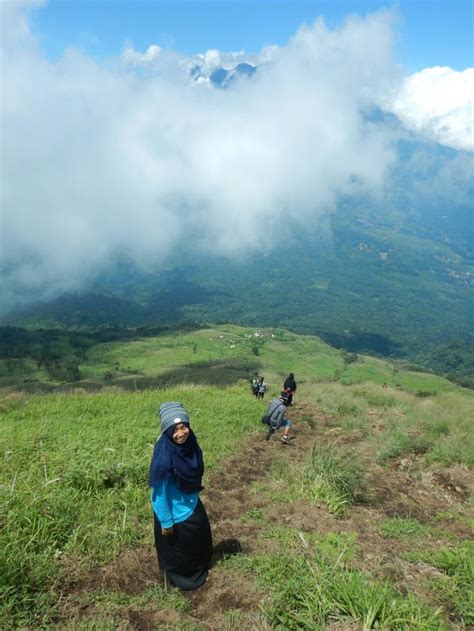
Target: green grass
x=253 y=515
x=401 y=443
x=151 y=356
x=436 y=429
x=332 y=547
x=402 y=528
x=424 y=383
x=331 y=476
x=455 y=588
x=155 y=596
x=380 y=398
x=74 y=472
x=369 y=369
x=188 y=357
x=106 y=607
x=311 y=589
x=277 y=349
x=74 y=478
x=372 y=370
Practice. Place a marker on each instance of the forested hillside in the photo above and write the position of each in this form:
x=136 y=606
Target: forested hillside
x=389 y=284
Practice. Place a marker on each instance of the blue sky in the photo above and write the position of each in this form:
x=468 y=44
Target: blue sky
x=431 y=32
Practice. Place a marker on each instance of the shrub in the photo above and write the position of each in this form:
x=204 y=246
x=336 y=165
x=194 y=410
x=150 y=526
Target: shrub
x=347 y=409
x=350 y=358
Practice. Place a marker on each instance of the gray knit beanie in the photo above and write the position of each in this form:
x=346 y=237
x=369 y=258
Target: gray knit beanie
x=171 y=413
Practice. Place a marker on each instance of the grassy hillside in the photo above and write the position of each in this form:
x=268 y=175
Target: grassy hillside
x=216 y=355
x=364 y=519
x=75 y=475
x=376 y=281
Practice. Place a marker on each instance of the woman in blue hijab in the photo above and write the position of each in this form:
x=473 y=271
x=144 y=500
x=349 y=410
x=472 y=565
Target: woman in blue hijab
x=182 y=532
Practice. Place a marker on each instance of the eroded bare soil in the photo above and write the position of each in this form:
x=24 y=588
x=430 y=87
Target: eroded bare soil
x=401 y=489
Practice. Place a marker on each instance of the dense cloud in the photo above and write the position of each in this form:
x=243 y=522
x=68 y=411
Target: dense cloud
x=131 y=157
x=439 y=103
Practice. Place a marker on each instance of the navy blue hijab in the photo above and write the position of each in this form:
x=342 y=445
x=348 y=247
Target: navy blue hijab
x=181 y=463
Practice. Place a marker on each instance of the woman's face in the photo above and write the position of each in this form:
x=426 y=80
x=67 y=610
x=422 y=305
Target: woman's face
x=180 y=434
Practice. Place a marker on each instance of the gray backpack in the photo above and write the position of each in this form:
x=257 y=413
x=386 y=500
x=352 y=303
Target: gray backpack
x=275 y=413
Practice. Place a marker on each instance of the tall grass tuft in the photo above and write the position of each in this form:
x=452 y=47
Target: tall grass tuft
x=333 y=477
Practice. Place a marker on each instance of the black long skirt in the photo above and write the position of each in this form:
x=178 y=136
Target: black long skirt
x=184 y=557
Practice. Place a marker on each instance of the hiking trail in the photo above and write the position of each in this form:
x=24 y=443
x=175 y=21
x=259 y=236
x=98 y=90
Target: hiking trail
x=230 y=496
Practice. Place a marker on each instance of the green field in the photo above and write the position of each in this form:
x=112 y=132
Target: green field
x=75 y=497
x=219 y=354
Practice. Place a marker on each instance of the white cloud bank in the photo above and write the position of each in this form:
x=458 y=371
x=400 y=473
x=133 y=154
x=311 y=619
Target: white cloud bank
x=438 y=102
x=105 y=159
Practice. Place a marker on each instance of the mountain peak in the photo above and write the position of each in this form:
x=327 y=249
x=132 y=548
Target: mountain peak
x=221 y=77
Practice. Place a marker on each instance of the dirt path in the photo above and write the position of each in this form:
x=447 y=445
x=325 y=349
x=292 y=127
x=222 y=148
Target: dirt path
x=228 y=501
x=398 y=490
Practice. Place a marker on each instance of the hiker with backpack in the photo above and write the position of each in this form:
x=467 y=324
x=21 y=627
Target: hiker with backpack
x=182 y=532
x=276 y=418
x=289 y=387
x=262 y=388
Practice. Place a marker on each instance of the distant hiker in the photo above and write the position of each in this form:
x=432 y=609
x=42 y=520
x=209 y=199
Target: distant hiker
x=255 y=383
x=290 y=387
x=276 y=418
x=182 y=532
x=262 y=388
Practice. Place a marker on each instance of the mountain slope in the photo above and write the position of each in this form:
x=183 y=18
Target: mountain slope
x=389 y=283
x=365 y=513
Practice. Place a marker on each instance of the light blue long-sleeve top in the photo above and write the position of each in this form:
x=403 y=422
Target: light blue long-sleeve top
x=171 y=505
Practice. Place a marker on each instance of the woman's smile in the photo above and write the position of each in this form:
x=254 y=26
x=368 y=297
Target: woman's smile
x=180 y=434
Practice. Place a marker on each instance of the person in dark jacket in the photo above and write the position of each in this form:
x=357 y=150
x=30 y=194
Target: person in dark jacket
x=289 y=386
x=183 y=537
x=255 y=381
